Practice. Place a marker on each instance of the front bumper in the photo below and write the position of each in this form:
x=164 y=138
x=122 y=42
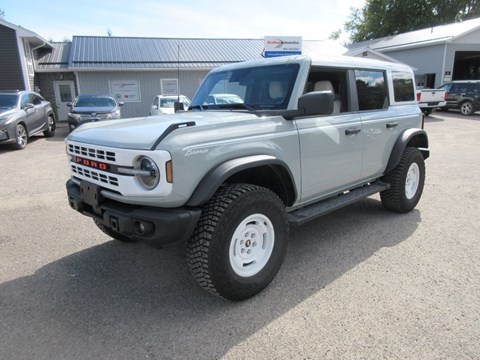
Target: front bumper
x=155 y=226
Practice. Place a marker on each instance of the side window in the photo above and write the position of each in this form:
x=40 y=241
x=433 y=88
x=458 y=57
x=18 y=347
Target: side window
x=371 y=89
x=334 y=80
x=25 y=101
x=403 y=89
x=35 y=99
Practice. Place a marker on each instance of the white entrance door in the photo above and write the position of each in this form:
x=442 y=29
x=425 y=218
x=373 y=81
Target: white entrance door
x=64 y=93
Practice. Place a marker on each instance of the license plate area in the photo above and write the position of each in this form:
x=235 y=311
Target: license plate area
x=90 y=194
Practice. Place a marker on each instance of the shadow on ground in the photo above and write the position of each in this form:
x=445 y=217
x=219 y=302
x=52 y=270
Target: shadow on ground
x=120 y=300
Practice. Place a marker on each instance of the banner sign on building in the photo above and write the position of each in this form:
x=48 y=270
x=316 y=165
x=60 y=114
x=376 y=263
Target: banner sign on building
x=125 y=90
x=282 y=46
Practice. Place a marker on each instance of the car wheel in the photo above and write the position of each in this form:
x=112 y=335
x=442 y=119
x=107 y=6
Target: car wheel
x=21 y=137
x=406 y=182
x=51 y=126
x=112 y=233
x=240 y=241
x=466 y=108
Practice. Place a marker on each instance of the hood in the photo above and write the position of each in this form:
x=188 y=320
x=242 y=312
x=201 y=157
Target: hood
x=143 y=133
x=93 y=109
x=4 y=112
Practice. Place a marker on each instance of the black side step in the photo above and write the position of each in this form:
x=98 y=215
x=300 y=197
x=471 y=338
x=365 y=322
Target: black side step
x=311 y=212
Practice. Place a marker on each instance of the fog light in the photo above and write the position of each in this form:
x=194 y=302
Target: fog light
x=143 y=227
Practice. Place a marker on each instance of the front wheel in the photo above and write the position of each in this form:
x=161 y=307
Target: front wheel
x=467 y=108
x=406 y=182
x=21 y=137
x=240 y=241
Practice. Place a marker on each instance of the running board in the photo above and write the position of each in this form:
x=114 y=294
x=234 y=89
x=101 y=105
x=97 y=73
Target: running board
x=311 y=212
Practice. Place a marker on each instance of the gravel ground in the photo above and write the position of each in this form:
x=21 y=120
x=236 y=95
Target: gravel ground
x=360 y=283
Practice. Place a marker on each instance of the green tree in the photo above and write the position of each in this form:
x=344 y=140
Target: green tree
x=380 y=18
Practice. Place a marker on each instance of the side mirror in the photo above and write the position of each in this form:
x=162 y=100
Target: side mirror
x=121 y=103
x=177 y=106
x=29 y=106
x=316 y=103
x=69 y=104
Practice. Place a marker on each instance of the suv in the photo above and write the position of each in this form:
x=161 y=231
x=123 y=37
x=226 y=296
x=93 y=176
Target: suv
x=463 y=95
x=92 y=107
x=307 y=137
x=22 y=115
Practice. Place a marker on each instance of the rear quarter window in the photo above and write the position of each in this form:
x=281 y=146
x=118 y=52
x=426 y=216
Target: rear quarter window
x=371 y=89
x=403 y=89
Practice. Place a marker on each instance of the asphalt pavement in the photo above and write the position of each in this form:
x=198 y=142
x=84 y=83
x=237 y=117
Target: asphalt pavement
x=360 y=283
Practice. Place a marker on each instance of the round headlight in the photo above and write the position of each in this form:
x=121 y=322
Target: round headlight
x=148 y=176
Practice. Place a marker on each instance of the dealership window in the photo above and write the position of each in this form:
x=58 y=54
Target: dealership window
x=403 y=89
x=371 y=89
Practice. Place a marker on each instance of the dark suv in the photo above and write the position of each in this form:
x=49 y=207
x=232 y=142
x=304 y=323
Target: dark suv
x=463 y=95
x=93 y=107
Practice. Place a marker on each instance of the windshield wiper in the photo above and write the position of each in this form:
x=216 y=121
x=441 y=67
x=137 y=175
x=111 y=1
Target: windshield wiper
x=197 y=107
x=237 y=106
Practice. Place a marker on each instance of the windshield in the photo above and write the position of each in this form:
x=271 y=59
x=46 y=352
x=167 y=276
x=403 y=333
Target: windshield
x=94 y=101
x=8 y=101
x=167 y=102
x=258 y=88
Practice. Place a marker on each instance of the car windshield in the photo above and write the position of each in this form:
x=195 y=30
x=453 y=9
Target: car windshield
x=167 y=102
x=94 y=101
x=258 y=88
x=8 y=101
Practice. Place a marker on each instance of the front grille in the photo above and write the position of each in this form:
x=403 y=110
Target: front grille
x=94 y=175
x=92 y=152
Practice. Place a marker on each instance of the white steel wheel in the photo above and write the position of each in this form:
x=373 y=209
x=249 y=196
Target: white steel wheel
x=412 y=180
x=251 y=245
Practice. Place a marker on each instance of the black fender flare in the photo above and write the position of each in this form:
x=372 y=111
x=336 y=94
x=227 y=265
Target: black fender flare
x=411 y=137
x=217 y=176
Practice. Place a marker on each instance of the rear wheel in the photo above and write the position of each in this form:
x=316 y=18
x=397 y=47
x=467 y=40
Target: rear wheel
x=240 y=241
x=112 y=233
x=21 y=137
x=51 y=126
x=466 y=108
x=427 y=112
x=406 y=182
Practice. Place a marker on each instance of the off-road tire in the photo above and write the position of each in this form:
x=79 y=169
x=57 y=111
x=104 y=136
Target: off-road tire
x=214 y=248
x=51 y=126
x=112 y=234
x=406 y=182
x=466 y=108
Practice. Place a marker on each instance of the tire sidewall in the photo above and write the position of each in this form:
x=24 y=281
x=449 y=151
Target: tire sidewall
x=259 y=201
x=414 y=156
x=18 y=145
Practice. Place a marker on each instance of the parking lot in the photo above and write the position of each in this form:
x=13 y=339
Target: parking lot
x=360 y=283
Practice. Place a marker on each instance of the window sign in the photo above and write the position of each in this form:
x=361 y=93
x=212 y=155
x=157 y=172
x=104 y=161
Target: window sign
x=169 y=86
x=125 y=90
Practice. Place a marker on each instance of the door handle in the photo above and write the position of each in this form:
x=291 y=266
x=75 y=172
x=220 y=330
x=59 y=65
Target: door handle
x=392 y=125
x=352 y=131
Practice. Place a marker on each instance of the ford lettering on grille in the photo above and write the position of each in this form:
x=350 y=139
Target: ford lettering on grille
x=92 y=163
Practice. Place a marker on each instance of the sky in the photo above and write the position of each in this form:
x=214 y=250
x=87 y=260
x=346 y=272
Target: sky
x=251 y=19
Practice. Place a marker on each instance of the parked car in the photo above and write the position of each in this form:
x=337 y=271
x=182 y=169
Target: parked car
x=164 y=104
x=463 y=95
x=93 y=107
x=430 y=99
x=22 y=115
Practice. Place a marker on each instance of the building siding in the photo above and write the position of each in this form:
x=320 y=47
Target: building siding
x=149 y=83
x=11 y=74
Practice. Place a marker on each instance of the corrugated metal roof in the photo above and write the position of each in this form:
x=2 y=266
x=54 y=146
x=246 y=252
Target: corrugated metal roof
x=423 y=37
x=91 y=52
x=56 y=59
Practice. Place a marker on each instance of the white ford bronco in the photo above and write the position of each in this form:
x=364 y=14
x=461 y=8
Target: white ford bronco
x=264 y=145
